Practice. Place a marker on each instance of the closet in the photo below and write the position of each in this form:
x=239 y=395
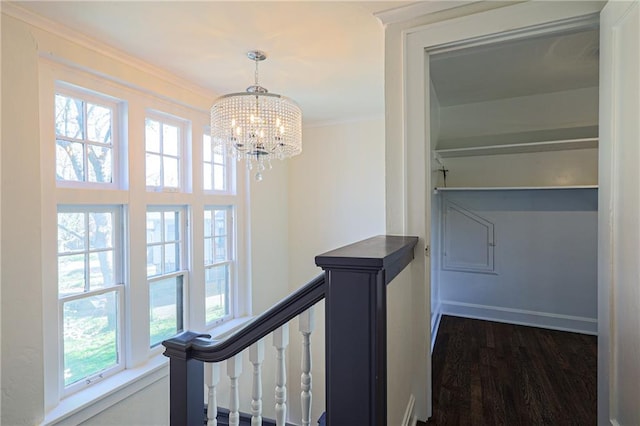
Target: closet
x=514 y=161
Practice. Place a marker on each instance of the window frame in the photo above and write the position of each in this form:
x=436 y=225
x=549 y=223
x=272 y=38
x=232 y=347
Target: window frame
x=119 y=286
x=182 y=271
x=231 y=261
x=87 y=95
x=230 y=168
x=183 y=133
x=140 y=362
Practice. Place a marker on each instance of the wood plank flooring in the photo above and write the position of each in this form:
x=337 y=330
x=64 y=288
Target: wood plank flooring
x=489 y=373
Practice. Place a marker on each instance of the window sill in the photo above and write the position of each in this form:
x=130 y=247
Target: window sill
x=87 y=403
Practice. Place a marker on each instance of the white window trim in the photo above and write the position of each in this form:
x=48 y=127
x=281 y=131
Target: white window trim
x=142 y=367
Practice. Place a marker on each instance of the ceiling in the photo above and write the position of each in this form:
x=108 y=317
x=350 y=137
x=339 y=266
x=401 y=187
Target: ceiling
x=327 y=56
x=524 y=67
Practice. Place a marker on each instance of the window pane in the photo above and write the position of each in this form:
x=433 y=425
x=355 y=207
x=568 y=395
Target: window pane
x=221 y=249
x=90 y=336
x=206 y=174
x=100 y=230
x=171 y=226
x=69 y=117
x=99 y=163
x=71 y=279
x=71 y=232
x=98 y=123
x=152 y=136
x=219 y=178
x=217 y=292
x=208 y=226
x=165 y=309
x=208 y=251
x=69 y=160
x=206 y=147
x=154 y=227
x=101 y=269
x=171 y=258
x=170 y=140
x=171 y=172
x=153 y=170
x=154 y=260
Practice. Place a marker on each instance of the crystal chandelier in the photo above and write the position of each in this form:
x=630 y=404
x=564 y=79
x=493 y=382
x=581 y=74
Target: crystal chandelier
x=256 y=125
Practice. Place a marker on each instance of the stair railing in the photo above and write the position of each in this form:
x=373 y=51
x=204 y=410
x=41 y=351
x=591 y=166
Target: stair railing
x=354 y=286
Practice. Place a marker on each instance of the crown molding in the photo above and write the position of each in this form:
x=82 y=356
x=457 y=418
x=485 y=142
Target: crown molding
x=12 y=9
x=414 y=10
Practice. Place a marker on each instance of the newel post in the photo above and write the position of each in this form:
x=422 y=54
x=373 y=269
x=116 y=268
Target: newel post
x=186 y=381
x=356 y=277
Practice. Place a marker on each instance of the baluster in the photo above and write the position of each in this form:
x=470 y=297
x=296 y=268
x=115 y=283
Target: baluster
x=306 y=322
x=212 y=378
x=256 y=356
x=234 y=369
x=281 y=341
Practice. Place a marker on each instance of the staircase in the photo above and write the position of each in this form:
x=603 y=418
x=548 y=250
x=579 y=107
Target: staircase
x=354 y=288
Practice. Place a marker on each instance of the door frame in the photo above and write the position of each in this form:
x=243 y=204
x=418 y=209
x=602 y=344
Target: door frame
x=505 y=23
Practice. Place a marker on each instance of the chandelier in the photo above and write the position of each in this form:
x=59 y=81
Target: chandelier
x=256 y=125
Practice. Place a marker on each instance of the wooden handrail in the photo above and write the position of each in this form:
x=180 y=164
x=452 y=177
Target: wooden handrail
x=204 y=349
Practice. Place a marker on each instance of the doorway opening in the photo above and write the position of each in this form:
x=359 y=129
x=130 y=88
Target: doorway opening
x=514 y=180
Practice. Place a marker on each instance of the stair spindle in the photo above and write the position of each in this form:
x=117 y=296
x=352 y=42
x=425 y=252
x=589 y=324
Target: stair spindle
x=234 y=369
x=281 y=341
x=212 y=378
x=256 y=356
x=306 y=322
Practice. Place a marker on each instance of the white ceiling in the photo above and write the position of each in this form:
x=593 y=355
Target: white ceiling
x=546 y=64
x=327 y=56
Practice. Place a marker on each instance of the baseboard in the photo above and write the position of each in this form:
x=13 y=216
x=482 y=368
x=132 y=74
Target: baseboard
x=408 y=418
x=552 y=321
x=435 y=324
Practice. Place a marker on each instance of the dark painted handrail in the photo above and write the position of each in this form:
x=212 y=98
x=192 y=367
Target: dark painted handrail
x=207 y=350
x=355 y=333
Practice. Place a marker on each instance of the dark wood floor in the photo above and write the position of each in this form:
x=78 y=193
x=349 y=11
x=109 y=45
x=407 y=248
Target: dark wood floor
x=488 y=373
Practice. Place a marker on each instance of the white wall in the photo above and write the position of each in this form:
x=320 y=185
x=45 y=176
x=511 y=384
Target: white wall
x=556 y=168
x=22 y=351
x=557 y=110
x=336 y=197
x=545 y=260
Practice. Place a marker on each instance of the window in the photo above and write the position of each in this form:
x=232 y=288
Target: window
x=163 y=145
x=122 y=269
x=217 y=169
x=218 y=262
x=165 y=272
x=84 y=138
x=89 y=291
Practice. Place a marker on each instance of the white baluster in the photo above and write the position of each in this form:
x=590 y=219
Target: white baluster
x=256 y=356
x=212 y=378
x=234 y=369
x=281 y=341
x=306 y=322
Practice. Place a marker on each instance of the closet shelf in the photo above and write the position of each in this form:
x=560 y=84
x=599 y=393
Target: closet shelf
x=517 y=148
x=515 y=188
